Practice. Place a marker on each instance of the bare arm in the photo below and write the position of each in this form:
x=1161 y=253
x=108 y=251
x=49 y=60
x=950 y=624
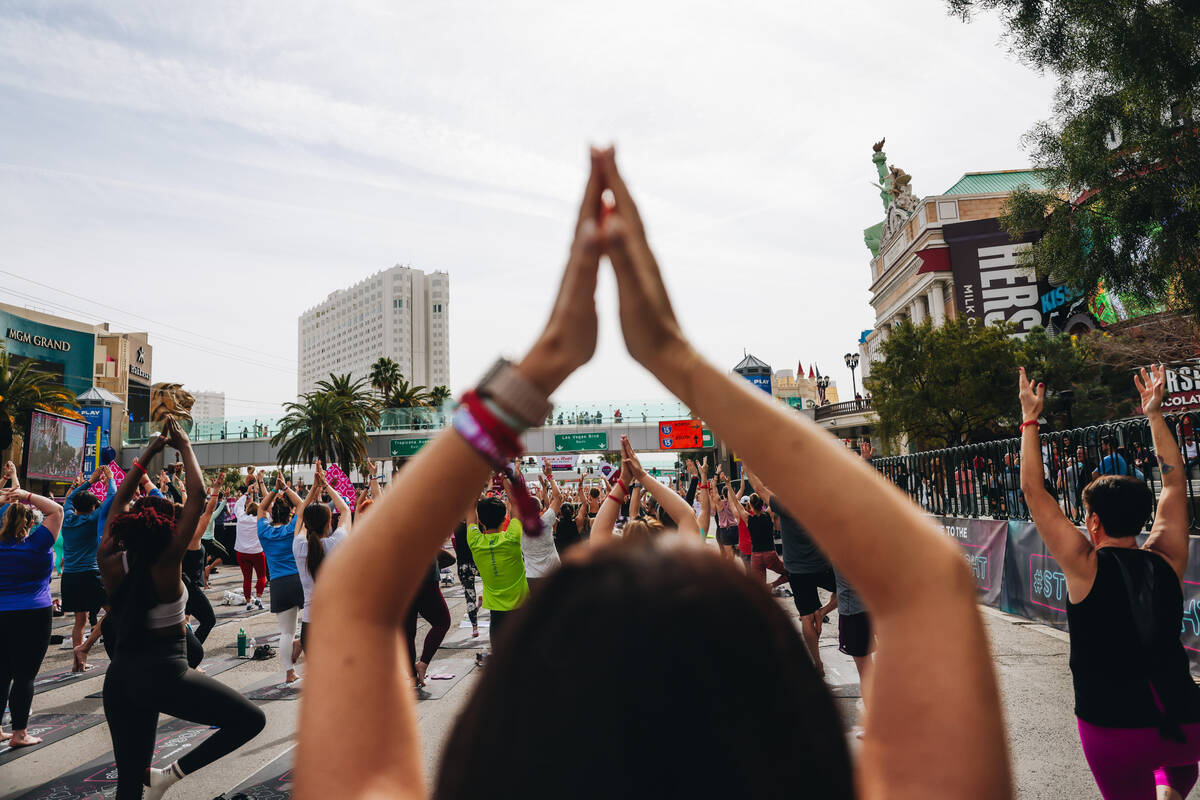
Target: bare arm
x=935 y=698
x=379 y=571
x=1070 y=548
x=1169 y=535
x=676 y=507
x=52 y=512
x=705 y=515
x=185 y=526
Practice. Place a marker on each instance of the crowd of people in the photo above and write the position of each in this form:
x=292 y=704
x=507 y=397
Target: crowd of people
x=622 y=642
x=985 y=480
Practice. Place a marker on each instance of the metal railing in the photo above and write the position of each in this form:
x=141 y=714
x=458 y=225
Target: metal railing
x=984 y=480
x=838 y=409
x=421 y=419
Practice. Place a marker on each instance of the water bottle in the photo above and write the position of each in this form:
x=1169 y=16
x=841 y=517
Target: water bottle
x=241 y=643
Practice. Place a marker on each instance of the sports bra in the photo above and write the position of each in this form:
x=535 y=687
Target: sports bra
x=163 y=615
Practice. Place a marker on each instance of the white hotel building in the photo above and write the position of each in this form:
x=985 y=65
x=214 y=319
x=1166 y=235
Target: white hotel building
x=401 y=313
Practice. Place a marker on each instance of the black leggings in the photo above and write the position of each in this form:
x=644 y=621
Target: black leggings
x=155 y=678
x=498 y=618
x=431 y=605
x=199 y=607
x=24 y=636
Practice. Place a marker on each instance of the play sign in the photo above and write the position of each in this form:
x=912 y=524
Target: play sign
x=684 y=434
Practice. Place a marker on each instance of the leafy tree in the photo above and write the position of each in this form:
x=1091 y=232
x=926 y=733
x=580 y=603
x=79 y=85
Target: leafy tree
x=385 y=374
x=322 y=425
x=945 y=386
x=1080 y=390
x=438 y=395
x=404 y=395
x=358 y=399
x=1120 y=150
x=24 y=388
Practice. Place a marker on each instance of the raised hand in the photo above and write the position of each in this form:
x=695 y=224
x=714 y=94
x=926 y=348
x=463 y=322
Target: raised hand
x=279 y=482
x=1151 y=385
x=1032 y=400
x=652 y=334
x=630 y=459
x=549 y=473
x=866 y=449
x=569 y=338
x=704 y=470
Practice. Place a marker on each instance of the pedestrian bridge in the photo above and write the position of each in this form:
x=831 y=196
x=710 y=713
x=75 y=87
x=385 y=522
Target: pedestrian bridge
x=239 y=442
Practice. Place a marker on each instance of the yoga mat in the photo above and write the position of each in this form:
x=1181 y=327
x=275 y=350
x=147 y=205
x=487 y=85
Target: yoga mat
x=272 y=782
x=437 y=689
x=172 y=740
x=51 y=727
x=466 y=642
x=44 y=683
x=273 y=689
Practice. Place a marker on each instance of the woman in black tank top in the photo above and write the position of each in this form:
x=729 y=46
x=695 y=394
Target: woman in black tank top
x=141 y=557
x=1137 y=706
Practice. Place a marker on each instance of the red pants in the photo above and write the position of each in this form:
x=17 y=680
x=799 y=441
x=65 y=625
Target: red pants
x=252 y=562
x=761 y=562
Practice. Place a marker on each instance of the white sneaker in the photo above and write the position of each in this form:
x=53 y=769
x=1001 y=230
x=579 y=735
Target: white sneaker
x=249 y=606
x=258 y=603
x=67 y=644
x=160 y=781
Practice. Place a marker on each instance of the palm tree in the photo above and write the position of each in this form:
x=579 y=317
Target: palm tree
x=385 y=374
x=322 y=425
x=359 y=400
x=23 y=388
x=438 y=396
x=405 y=395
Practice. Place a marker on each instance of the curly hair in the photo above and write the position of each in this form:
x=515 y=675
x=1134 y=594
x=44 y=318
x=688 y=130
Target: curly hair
x=146 y=528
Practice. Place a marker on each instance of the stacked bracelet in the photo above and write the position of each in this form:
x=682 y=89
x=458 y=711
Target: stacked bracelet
x=499 y=445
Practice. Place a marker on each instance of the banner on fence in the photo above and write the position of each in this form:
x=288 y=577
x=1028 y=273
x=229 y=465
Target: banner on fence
x=1034 y=584
x=983 y=542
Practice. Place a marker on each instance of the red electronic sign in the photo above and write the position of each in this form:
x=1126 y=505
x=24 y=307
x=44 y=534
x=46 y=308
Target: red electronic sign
x=683 y=434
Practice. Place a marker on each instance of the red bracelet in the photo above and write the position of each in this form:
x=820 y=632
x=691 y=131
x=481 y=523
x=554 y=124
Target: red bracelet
x=498 y=431
x=621 y=483
x=138 y=466
x=1024 y=425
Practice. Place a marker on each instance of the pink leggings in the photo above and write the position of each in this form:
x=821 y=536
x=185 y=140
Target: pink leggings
x=1128 y=763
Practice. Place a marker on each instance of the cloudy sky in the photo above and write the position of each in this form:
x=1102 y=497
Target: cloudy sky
x=207 y=171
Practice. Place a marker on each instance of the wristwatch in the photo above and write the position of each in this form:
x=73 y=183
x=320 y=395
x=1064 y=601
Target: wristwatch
x=505 y=385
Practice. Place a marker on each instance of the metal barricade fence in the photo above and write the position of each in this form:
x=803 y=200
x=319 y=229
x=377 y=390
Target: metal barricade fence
x=984 y=480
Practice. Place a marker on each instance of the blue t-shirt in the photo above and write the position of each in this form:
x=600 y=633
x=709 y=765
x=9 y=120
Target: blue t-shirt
x=277 y=545
x=81 y=534
x=25 y=569
x=1113 y=464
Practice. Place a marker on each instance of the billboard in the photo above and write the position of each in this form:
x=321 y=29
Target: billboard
x=989 y=287
x=761 y=381
x=55 y=448
x=99 y=420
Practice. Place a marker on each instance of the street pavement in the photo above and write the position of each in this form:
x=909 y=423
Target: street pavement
x=1031 y=661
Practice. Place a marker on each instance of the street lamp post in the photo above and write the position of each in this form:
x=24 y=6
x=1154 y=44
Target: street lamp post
x=852 y=363
x=822 y=385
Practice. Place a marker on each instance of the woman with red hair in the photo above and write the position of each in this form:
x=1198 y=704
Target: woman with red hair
x=141 y=557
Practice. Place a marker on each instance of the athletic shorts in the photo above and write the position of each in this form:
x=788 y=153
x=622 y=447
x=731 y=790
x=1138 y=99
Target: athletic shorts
x=854 y=634
x=804 y=589
x=728 y=536
x=82 y=591
x=286 y=592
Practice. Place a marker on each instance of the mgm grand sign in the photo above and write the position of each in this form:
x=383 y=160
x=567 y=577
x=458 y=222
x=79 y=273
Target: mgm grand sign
x=39 y=341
